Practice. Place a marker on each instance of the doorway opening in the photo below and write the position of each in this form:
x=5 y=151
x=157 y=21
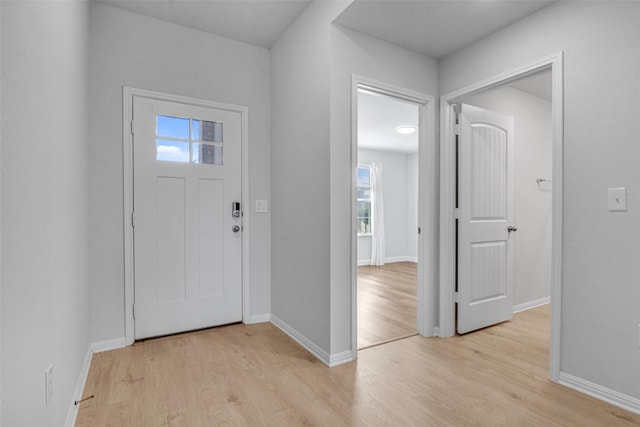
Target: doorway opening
x=531 y=97
x=387 y=218
x=528 y=101
x=393 y=244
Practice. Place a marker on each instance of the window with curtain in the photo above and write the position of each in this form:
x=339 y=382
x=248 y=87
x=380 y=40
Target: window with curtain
x=363 y=191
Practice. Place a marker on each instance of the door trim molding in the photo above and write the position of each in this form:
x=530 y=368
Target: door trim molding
x=427 y=206
x=553 y=62
x=127 y=172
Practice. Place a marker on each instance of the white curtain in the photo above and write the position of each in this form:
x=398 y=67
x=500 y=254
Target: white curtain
x=377 y=207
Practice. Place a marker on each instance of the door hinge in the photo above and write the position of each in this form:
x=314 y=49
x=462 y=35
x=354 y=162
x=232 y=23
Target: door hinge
x=456 y=213
x=132 y=128
x=456 y=129
x=419 y=230
x=134 y=311
x=456 y=297
x=133 y=219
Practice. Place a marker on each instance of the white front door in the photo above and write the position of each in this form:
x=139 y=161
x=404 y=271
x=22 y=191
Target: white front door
x=187 y=242
x=485 y=201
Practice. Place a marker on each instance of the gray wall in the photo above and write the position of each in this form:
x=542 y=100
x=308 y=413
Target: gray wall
x=45 y=295
x=300 y=88
x=532 y=160
x=400 y=205
x=311 y=167
x=132 y=50
x=355 y=53
x=600 y=315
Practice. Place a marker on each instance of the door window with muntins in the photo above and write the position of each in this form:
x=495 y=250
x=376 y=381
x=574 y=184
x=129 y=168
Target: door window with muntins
x=189 y=140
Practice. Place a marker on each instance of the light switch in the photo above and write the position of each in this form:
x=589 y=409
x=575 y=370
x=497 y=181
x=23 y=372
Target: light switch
x=262 y=206
x=618 y=199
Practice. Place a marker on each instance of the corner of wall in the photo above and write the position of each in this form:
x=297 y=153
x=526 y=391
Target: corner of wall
x=72 y=412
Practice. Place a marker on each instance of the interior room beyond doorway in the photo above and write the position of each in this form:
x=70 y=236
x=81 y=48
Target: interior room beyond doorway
x=386 y=218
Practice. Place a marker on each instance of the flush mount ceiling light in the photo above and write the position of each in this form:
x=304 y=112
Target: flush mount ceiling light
x=406 y=129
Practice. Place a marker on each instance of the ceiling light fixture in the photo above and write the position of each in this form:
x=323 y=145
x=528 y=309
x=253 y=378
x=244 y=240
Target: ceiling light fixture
x=406 y=129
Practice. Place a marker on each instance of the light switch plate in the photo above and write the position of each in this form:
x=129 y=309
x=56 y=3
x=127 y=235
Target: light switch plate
x=617 y=199
x=262 y=206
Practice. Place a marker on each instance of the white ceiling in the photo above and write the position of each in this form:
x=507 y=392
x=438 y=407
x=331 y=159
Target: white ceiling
x=378 y=116
x=435 y=28
x=538 y=85
x=257 y=22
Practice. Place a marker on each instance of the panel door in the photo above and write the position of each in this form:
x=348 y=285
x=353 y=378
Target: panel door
x=187 y=243
x=485 y=201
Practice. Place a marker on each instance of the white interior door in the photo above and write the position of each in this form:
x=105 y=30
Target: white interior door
x=187 y=243
x=485 y=201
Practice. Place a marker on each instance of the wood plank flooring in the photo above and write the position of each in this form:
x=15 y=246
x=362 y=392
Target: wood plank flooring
x=387 y=297
x=254 y=375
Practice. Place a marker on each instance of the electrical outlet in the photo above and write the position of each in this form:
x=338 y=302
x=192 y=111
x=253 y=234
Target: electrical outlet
x=48 y=384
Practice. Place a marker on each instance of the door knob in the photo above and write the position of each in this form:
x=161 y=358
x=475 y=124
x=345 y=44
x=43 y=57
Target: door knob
x=511 y=228
x=235 y=228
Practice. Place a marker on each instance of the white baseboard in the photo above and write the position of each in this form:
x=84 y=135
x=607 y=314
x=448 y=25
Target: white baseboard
x=72 y=413
x=330 y=360
x=100 y=346
x=400 y=259
x=613 y=397
x=531 y=304
x=258 y=318
x=336 y=359
x=305 y=342
x=96 y=347
x=389 y=260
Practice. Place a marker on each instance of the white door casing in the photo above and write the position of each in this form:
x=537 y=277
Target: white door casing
x=485 y=201
x=448 y=166
x=188 y=258
x=427 y=239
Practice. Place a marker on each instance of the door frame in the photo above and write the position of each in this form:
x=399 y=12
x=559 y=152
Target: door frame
x=128 y=93
x=554 y=63
x=427 y=203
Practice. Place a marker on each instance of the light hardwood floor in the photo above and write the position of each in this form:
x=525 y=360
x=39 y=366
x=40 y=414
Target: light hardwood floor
x=254 y=375
x=387 y=298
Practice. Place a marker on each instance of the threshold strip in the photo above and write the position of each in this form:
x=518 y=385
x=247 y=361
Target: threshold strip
x=388 y=341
